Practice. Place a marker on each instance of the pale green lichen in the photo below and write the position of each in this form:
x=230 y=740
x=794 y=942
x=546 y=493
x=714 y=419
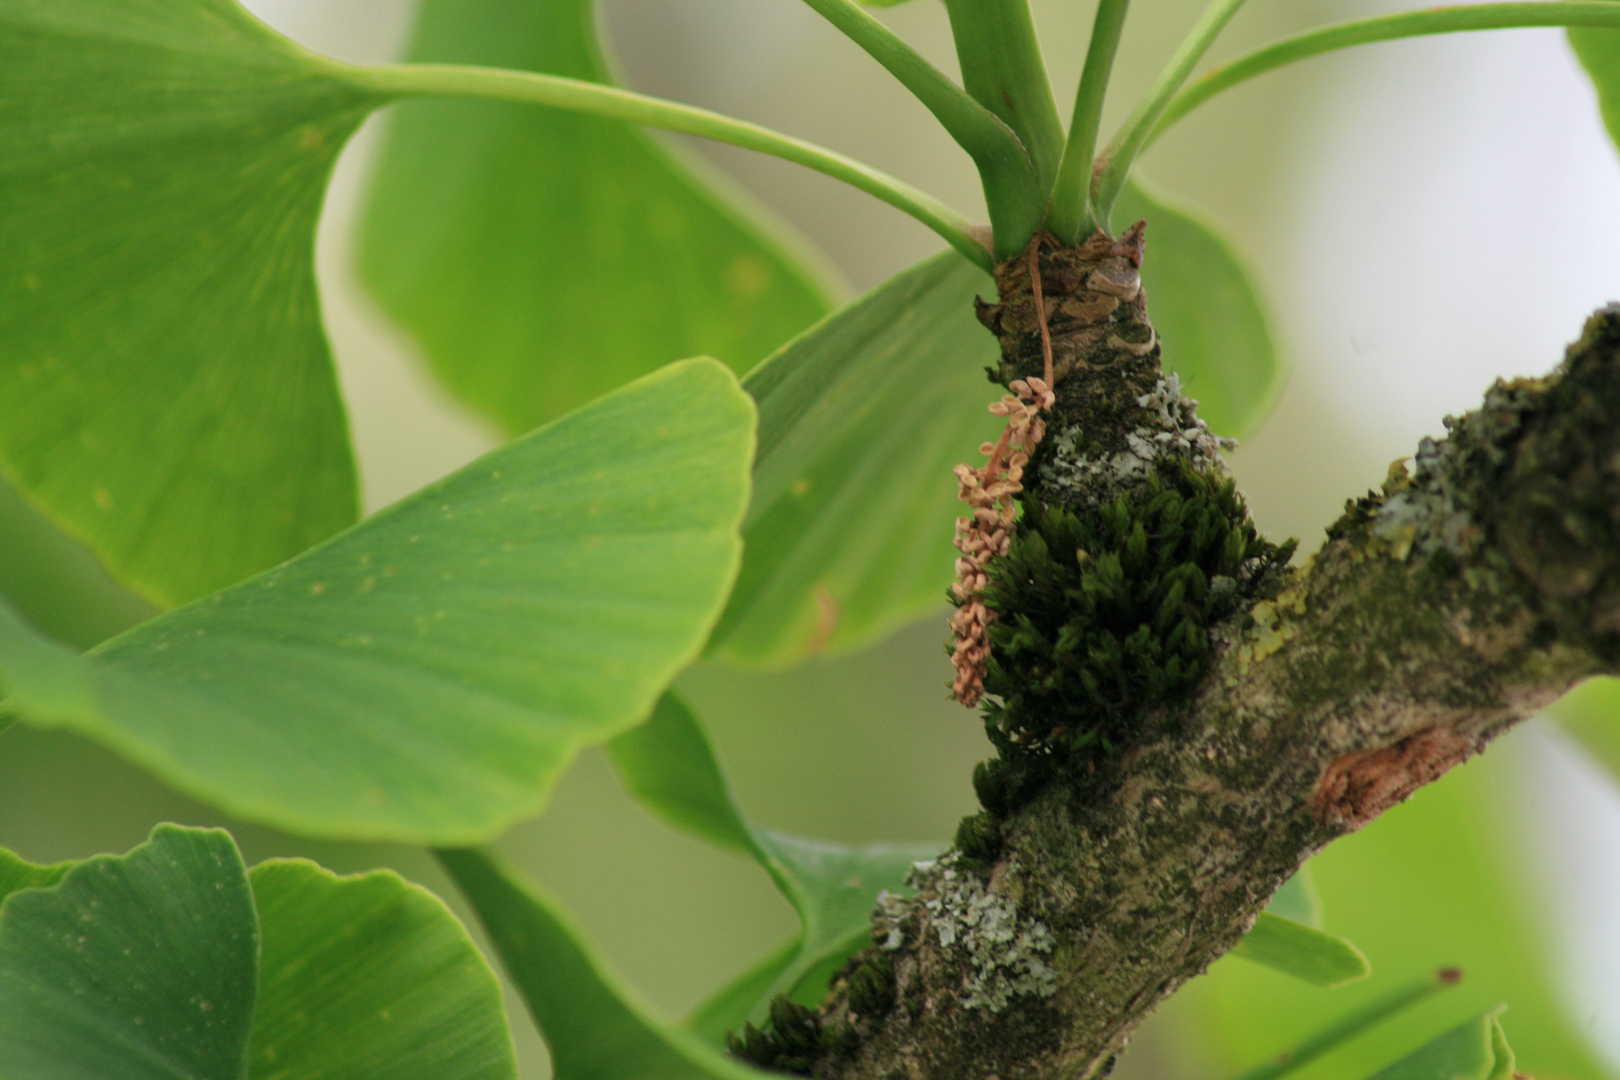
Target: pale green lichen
x=1004 y=951
x=1433 y=509
x=1173 y=429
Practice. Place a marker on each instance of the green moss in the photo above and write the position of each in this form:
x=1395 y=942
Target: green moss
x=1105 y=613
x=790 y=1042
x=978 y=838
x=872 y=987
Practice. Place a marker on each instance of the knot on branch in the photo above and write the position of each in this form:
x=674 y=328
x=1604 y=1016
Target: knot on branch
x=1359 y=786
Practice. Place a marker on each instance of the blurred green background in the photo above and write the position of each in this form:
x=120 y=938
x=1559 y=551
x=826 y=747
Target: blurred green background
x=1422 y=216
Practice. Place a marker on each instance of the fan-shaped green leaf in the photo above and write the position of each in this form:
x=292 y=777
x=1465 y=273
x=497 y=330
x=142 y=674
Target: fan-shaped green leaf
x=166 y=391
x=595 y=1025
x=427 y=675
x=17 y=873
x=542 y=258
x=1207 y=311
x=668 y=766
x=137 y=966
x=834 y=889
x=50 y=677
x=862 y=419
x=370 y=978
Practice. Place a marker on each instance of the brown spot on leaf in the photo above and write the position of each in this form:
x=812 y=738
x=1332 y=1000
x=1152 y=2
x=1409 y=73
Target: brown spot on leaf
x=826 y=619
x=1358 y=787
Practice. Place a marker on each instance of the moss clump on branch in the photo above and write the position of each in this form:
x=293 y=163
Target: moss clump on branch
x=1105 y=612
x=791 y=1040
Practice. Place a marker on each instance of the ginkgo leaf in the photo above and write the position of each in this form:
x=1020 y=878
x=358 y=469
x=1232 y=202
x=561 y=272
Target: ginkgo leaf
x=370 y=978
x=862 y=418
x=18 y=873
x=427 y=675
x=141 y=966
x=166 y=391
x=541 y=257
x=1599 y=53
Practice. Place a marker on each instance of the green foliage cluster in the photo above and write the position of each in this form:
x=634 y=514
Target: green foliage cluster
x=167 y=396
x=1105 y=613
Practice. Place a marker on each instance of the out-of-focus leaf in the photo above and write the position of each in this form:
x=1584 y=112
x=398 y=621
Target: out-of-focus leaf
x=1428 y=885
x=166 y=391
x=668 y=765
x=862 y=419
x=541 y=258
x=1297 y=900
x=1591 y=713
x=49 y=676
x=1356 y=1022
x=370 y=978
x=595 y=1025
x=1599 y=53
x=136 y=966
x=833 y=888
x=428 y=675
x=1477 y=1050
x=17 y=873
x=1207 y=311
x=1302 y=951
x=728 y=1007
x=148 y=965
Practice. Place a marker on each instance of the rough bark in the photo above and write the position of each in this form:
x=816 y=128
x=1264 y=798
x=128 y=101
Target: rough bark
x=1463 y=597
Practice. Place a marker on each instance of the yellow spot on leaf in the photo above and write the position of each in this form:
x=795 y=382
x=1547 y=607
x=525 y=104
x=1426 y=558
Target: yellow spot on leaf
x=748 y=277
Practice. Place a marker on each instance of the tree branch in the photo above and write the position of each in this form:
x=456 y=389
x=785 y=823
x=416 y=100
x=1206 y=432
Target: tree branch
x=1462 y=598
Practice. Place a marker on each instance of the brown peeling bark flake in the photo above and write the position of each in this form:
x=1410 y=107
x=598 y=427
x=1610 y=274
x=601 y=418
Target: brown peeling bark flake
x=1359 y=786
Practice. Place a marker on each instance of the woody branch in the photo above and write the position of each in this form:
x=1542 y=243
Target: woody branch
x=1462 y=598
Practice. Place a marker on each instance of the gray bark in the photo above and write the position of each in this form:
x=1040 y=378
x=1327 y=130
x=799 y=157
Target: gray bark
x=1465 y=596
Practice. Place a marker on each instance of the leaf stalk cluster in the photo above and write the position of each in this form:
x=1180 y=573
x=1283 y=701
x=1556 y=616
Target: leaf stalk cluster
x=1004 y=116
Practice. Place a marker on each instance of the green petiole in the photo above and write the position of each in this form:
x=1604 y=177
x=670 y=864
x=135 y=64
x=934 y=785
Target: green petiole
x=494 y=84
x=1115 y=163
x=1011 y=190
x=1070 y=217
x=1444 y=20
x=1003 y=70
x=1352 y=1024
